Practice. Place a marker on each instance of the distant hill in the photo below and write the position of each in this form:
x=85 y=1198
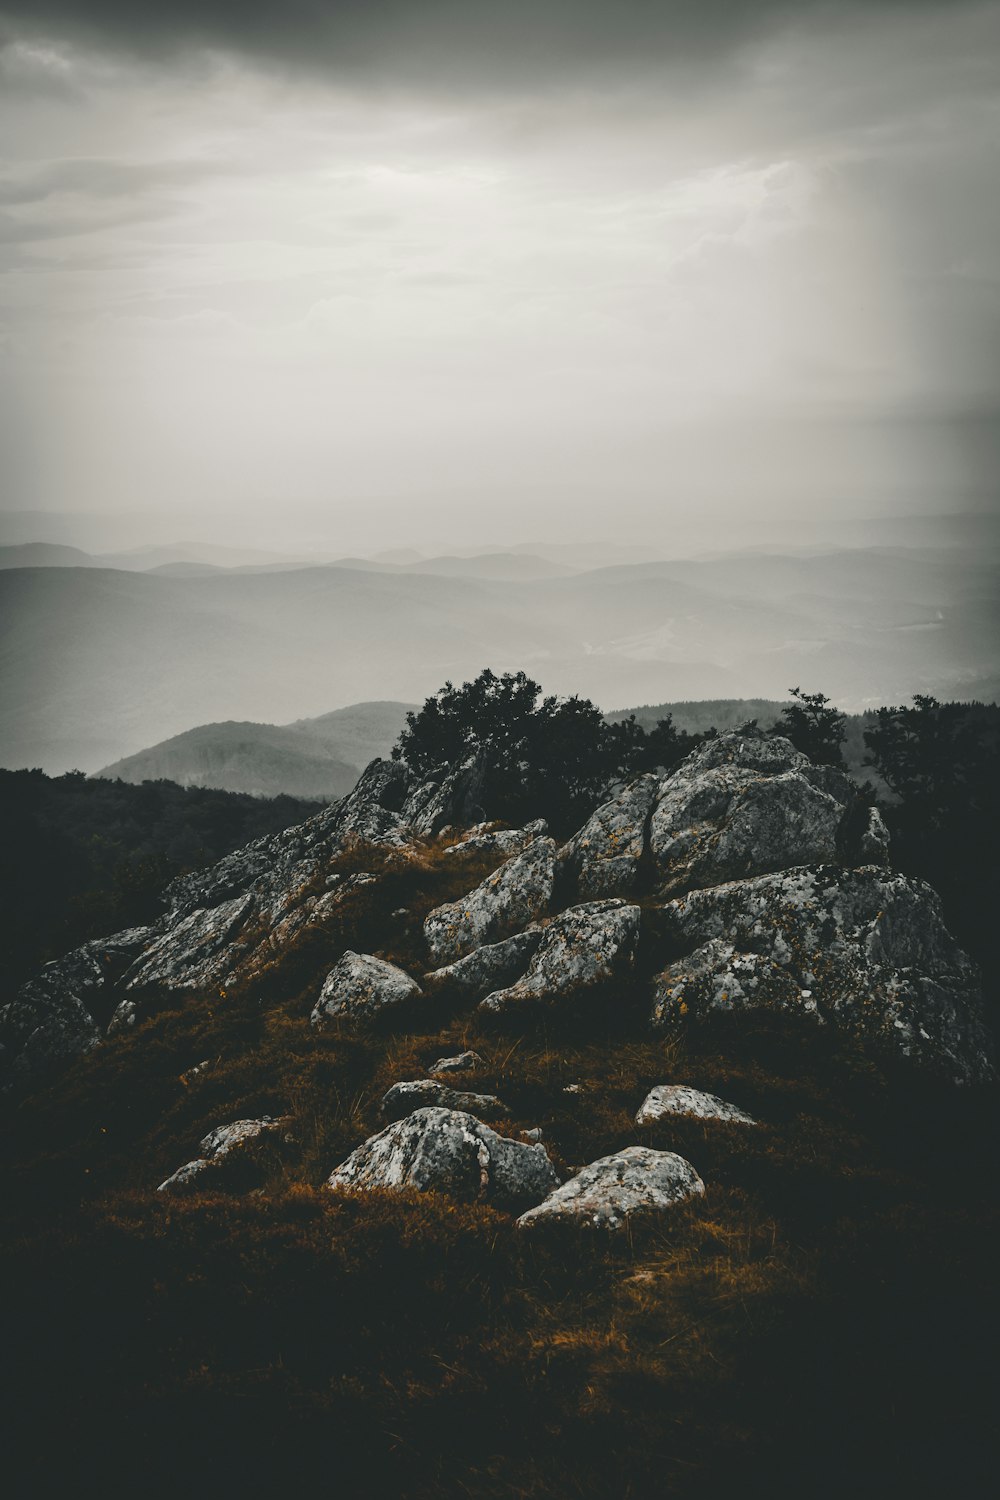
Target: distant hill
x=319 y=759
x=100 y=663
x=503 y=567
x=45 y=555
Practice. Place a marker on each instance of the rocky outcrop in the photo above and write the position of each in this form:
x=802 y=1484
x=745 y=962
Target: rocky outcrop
x=516 y=894
x=462 y=1062
x=678 y=1099
x=57 y=1016
x=219 y=925
x=361 y=987
x=742 y=804
x=583 y=949
x=862 y=949
x=215 y=1146
x=489 y=968
x=611 y=1192
x=404 y=1098
x=448 y=1151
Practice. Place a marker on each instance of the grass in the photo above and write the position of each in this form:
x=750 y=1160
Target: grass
x=822 y=1323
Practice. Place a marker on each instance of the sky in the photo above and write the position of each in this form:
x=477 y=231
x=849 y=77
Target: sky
x=441 y=272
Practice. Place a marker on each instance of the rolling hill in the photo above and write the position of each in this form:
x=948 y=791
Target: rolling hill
x=315 y=758
x=98 y=664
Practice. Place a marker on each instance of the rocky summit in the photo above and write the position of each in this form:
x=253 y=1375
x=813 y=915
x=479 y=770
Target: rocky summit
x=485 y=1161
x=746 y=879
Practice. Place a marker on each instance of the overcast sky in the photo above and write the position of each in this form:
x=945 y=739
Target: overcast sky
x=416 y=272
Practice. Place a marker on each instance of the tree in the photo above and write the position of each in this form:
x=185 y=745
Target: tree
x=939 y=761
x=814 y=727
x=551 y=758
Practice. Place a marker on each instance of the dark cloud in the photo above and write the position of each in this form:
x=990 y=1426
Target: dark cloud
x=441 y=39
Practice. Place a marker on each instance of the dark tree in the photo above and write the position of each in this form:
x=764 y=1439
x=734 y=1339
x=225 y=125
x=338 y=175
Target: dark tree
x=939 y=761
x=540 y=757
x=814 y=727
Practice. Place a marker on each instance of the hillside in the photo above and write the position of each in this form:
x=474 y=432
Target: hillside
x=498 y=1167
x=318 y=758
x=80 y=856
x=99 y=664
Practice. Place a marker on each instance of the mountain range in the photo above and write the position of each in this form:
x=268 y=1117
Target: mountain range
x=100 y=663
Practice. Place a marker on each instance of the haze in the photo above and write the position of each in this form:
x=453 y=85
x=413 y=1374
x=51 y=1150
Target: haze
x=451 y=275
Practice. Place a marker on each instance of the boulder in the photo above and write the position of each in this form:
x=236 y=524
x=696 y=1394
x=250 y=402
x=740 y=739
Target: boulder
x=502 y=841
x=489 y=968
x=60 y=1013
x=198 y=950
x=604 y=858
x=864 y=950
x=634 y=1183
x=679 y=1099
x=462 y=1062
x=516 y=894
x=745 y=804
x=448 y=1151
x=583 y=949
x=217 y=1145
x=361 y=987
x=741 y=804
x=404 y=1098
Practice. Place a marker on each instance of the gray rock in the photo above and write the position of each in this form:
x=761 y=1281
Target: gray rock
x=502 y=841
x=874 y=844
x=186 y=1177
x=582 y=949
x=864 y=950
x=462 y=1062
x=448 y=1151
x=489 y=968
x=225 y=1138
x=679 y=1099
x=404 y=1098
x=745 y=804
x=608 y=1194
x=742 y=804
x=432 y=806
x=198 y=950
x=361 y=987
x=605 y=856
x=217 y=1145
x=55 y=1016
x=516 y=894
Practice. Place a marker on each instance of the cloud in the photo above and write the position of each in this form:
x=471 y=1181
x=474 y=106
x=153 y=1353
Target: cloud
x=457 y=42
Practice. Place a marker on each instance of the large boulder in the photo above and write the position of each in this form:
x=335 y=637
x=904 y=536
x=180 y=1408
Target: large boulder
x=516 y=894
x=583 y=949
x=634 y=1183
x=865 y=950
x=679 y=1099
x=361 y=987
x=199 y=949
x=742 y=804
x=489 y=968
x=404 y=1098
x=448 y=1151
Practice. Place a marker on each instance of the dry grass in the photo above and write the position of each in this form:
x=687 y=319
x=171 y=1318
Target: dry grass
x=811 y=1328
